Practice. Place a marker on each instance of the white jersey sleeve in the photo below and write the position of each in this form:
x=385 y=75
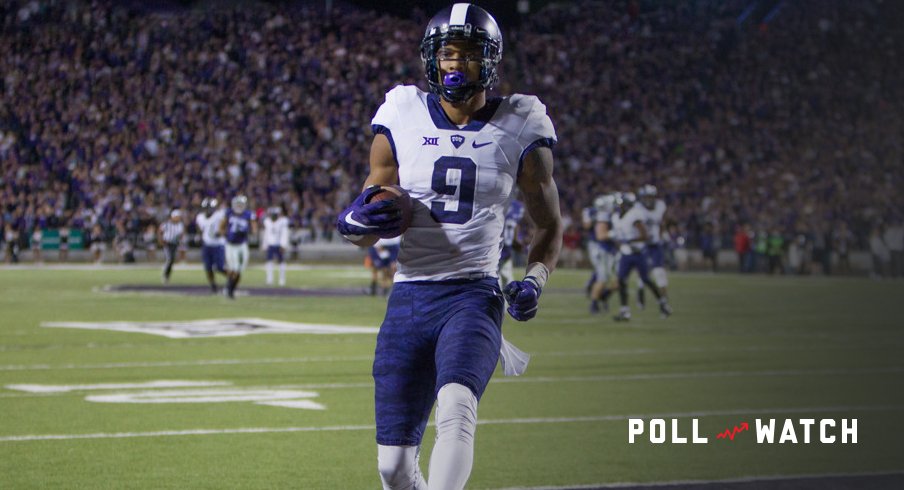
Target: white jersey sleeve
x=537 y=129
x=461 y=178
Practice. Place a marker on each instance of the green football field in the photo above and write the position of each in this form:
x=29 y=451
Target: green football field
x=96 y=408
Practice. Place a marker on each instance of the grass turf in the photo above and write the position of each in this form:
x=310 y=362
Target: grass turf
x=737 y=349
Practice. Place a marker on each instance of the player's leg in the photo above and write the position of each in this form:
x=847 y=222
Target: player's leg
x=595 y=287
x=232 y=265
x=625 y=264
x=170 y=257
x=657 y=272
x=456 y=424
x=243 y=255
x=599 y=292
x=642 y=270
x=271 y=256
x=404 y=374
x=467 y=351
x=641 y=299
x=399 y=468
x=282 y=266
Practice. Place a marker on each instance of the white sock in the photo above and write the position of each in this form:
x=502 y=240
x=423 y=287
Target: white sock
x=453 y=453
x=399 y=469
x=269 y=272
x=282 y=273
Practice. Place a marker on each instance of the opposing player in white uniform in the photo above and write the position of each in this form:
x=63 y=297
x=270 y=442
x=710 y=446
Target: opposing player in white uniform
x=654 y=211
x=459 y=155
x=631 y=233
x=275 y=241
x=213 y=244
x=602 y=250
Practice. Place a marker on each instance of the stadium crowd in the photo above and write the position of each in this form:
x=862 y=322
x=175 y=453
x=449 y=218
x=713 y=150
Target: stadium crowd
x=786 y=132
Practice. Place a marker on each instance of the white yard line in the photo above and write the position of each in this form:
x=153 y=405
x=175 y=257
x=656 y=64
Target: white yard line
x=893 y=370
x=289 y=360
x=514 y=421
x=208 y=362
x=728 y=481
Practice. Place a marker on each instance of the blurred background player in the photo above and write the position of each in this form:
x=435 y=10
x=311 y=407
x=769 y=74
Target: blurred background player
x=275 y=241
x=602 y=250
x=383 y=257
x=237 y=226
x=213 y=251
x=628 y=222
x=171 y=233
x=654 y=211
x=513 y=216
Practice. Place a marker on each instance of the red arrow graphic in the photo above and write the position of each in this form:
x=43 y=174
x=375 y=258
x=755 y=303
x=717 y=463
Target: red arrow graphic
x=731 y=433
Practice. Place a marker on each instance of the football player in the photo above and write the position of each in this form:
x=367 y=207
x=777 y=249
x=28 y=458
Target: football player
x=513 y=216
x=588 y=223
x=654 y=210
x=238 y=224
x=275 y=241
x=213 y=253
x=602 y=251
x=632 y=234
x=383 y=257
x=460 y=155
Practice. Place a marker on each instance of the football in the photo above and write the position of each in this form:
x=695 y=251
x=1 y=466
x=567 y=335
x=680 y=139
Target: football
x=402 y=202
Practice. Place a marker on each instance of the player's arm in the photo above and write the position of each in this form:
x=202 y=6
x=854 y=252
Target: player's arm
x=383 y=168
x=541 y=199
x=383 y=171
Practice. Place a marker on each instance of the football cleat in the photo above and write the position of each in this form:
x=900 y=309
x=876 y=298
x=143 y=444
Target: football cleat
x=665 y=310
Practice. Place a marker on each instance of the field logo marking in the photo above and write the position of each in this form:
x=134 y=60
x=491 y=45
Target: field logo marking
x=187 y=392
x=221 y=327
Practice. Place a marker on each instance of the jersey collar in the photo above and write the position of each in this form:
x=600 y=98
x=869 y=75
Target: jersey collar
x=480 y=119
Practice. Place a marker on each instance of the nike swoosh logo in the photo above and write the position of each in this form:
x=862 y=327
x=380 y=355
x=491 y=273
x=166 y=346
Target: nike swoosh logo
x=475 y=145
x=354 y=222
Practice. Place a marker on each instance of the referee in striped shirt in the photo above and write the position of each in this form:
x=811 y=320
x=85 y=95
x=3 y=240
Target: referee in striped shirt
x=171 y=233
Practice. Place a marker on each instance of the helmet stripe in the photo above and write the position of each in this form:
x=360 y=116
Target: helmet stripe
x=459 y=14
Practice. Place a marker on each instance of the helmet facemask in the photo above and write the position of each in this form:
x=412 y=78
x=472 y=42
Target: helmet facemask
x=448 y=85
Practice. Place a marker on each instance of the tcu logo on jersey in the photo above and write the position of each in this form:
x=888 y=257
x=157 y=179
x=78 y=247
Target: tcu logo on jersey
x=457 y=140
x=428 y=141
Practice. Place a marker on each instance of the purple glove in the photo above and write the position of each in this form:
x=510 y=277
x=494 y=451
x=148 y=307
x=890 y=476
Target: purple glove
x=381 y=218
x=523 y=298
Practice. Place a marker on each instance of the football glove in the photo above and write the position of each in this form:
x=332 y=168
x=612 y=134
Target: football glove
x=523 y=298
x=381 y=218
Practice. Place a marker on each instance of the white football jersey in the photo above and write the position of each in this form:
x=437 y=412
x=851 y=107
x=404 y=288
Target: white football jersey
x=210 y=228
x=625 y=231
x=461 y=178
x=653 y=220
x=276 y=232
